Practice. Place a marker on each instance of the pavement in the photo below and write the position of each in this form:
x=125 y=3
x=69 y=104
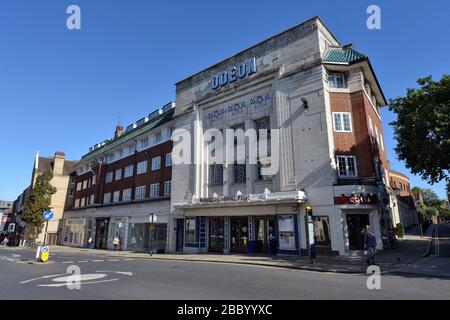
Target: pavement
x=437 y=260
x=114 y=276
x=408 y=258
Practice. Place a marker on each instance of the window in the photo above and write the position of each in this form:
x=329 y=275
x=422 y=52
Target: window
x=216 y=174
x=167 y=188
x=107 y=198
x=342 y=122
x=109 y=177
x=376 y=135
x=381 y=141
x=156 y=163
x=128 y=171
x=239 y=173
x=337 y=80
x=190 y=231
x=118 y=174
x=263 y=164
x=84 y=184
x=94 y=180
x=140 y=193
x=92 y=199
x=78 y=186
x=116 y=196
x=131 y=149
x=346 y=166
x=370 y=125
x=126 y=195
x=154 y=190
x=158 y=137
x=263 y=124
x=168 y=159
x=144 y=143
x=141 y=167
x=77 y=203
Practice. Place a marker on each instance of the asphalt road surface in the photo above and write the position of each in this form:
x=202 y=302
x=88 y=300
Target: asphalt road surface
x=441 y=241
x=112 y=277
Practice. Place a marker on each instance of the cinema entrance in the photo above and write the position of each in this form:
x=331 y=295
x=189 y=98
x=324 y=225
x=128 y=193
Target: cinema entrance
x=239 y=234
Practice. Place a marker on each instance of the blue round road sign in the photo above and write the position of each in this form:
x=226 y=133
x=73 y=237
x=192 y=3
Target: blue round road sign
x=48 y=215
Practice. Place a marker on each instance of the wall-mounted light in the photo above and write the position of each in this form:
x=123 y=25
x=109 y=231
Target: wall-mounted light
x=305 y=103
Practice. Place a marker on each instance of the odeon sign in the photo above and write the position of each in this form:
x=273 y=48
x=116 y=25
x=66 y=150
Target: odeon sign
x=240 y=71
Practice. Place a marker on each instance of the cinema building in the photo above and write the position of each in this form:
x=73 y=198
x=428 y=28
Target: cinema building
x=120 y=182
x=325 y=100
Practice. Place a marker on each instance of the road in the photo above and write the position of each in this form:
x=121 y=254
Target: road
x=113 y=277
x=441 y=241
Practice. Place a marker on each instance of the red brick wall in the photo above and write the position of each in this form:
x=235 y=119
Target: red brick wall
x=358 y=142
x=147 y=178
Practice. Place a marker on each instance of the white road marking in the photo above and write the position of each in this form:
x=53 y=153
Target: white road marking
x=82 y=261
x=44 y=277
x=113 y=260
x=65 y=284
x=119 y=272
x=129 y=259
x=68 y=262
x=98 y=260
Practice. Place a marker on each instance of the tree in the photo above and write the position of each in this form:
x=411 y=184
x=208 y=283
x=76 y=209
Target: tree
x=38 y=202
x=422 y=129
x=430 y=198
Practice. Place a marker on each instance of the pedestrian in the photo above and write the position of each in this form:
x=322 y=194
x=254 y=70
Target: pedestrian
x=370 y=243
x=116 y=242
x=90 y=243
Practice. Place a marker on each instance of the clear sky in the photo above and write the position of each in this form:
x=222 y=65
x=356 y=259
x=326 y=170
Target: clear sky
x=66 y=90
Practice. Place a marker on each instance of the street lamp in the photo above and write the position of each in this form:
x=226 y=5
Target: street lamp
x=152 y=219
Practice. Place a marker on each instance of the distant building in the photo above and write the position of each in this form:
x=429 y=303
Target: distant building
x=5 y=208
x=403 y=203
x=64 y=182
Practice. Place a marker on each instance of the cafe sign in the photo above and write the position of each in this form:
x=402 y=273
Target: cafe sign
x=354 y=199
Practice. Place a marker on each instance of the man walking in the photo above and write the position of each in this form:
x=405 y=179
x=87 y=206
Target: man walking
x=370 y=242
x=116 y=242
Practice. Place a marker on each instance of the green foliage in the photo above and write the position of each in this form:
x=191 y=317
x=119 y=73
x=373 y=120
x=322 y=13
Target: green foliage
x=401 y=230
x=38 y=202
x=422 y=129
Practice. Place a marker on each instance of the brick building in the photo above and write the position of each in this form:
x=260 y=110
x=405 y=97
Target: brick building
x=404 y=205
x=120 y=182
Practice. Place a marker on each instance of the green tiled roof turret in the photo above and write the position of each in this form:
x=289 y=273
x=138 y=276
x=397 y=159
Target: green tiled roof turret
x=343 y=55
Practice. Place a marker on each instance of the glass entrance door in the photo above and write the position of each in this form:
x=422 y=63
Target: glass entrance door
x=216 y=240
x=266 y=234
x=101 y=233
x=355 y=227
x=239 y=234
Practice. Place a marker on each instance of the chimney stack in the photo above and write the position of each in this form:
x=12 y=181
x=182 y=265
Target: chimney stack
x=58 y=164
x=119 y=131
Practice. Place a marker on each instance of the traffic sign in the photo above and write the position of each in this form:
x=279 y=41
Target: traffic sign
x=48 y=215
x=44 y=254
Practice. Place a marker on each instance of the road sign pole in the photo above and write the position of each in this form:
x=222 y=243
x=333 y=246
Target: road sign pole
x=45 y=234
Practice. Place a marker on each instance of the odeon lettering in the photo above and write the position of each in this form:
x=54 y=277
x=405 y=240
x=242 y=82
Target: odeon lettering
x=240 y=71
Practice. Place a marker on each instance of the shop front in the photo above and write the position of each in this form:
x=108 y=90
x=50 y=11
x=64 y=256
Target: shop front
x=74 y=232
x=243 y=227
x=359 y=211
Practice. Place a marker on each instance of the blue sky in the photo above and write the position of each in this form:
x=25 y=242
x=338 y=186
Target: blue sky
x=66 y=90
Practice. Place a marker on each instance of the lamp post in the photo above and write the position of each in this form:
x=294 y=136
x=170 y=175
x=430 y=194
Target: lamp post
x=152 y=219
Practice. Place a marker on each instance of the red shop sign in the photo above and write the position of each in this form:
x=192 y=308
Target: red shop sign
x=356 y=199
